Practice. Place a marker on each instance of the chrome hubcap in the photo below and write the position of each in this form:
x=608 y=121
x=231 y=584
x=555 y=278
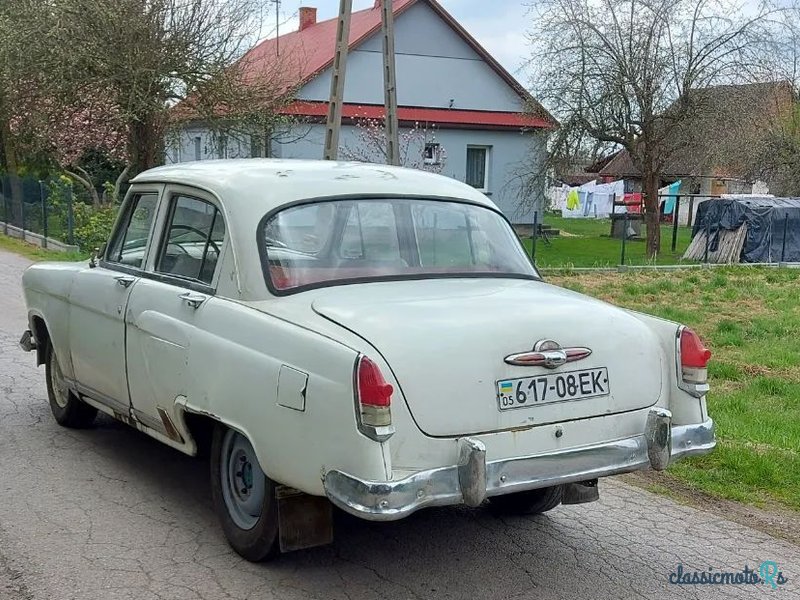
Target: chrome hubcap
x=60 y=389
x=243 y=482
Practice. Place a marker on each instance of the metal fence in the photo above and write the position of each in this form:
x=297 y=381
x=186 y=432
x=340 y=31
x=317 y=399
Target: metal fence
x=42 y=206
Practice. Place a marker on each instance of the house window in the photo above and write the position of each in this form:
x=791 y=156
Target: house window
x=478 y=167
x=198 y=147
x=433 y=153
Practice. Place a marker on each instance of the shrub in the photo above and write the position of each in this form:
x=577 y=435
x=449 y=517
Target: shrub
x=93 y=225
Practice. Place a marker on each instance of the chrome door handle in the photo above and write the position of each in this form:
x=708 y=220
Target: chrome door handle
x=125 y=281
x=193 y=300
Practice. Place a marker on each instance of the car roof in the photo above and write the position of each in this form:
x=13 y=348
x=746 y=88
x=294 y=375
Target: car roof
x=254 y=186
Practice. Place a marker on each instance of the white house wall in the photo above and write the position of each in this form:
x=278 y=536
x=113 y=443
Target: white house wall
x=434 y=66
x=509 y=153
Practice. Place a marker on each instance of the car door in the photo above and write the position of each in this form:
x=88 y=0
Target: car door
x=98 y=298
x=165 y=305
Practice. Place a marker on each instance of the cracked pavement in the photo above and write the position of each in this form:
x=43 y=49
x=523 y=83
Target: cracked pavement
x=109 y=513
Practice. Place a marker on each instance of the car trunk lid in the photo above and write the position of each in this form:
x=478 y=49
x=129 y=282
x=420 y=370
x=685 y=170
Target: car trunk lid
x=446 y=342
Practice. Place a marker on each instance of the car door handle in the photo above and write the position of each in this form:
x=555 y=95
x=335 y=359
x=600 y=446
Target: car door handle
x=193 y=300
x=125 y=281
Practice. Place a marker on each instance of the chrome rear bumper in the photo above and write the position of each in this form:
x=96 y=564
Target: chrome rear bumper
x=473 y=479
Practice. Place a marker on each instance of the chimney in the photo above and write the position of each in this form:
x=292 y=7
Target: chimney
x=308 y=17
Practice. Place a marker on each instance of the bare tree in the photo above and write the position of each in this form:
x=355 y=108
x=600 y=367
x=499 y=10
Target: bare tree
x=146 y=57
x=624 y=72
x=778 y=155
x=419 y=147
x=24 y=79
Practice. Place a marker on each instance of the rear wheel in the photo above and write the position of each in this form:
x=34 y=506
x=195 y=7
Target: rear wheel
x=532 y=502
x=67 y=408
x=244 y=497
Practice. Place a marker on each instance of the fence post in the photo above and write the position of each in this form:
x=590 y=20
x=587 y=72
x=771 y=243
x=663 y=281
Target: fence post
x=70 y=217
x=43 y=197
x=533 y=235
x=785 y=227
x=708 y=230
x=22 y=214
x=5 y=205
x=624 y=239
x=675 y=212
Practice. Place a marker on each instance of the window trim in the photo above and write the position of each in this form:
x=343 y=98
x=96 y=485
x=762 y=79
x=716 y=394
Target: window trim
x=118 y=223
x=264 y=262
x=486 y=153
x=436 y=158
x=169 y=201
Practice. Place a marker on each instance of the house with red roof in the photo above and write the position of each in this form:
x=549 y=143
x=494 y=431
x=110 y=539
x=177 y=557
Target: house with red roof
x=458 y=108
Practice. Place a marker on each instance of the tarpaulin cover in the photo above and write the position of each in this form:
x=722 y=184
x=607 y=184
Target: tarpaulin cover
x=766 y=219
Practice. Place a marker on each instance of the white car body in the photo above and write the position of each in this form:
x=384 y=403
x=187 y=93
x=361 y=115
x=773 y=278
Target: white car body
x=152 y=350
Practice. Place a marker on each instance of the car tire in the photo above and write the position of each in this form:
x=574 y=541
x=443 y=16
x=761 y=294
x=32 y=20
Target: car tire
x=243 y=496
x=67 y=408
x=532 y=502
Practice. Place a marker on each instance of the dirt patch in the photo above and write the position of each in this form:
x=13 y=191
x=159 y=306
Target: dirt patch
x=775 y=520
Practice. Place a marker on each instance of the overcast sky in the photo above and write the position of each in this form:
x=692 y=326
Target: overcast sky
x=499 y=25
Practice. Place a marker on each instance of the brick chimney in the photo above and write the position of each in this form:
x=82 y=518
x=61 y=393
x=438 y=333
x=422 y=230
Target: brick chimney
x=308 y=17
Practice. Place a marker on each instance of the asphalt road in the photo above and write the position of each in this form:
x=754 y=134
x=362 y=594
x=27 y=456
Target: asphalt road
x=109 y=513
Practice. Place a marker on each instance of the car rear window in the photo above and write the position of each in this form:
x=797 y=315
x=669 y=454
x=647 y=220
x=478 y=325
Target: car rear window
x=345 y=241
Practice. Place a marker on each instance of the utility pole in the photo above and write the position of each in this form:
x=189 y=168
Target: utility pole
x=390 y=84
x=334 y=123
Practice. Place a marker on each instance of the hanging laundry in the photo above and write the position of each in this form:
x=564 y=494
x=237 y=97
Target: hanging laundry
x=573 y=201
x=671 y=192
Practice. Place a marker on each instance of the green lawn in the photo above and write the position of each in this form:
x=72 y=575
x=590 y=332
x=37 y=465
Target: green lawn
x=587 y=243
x=750 y=318
x=36 y=253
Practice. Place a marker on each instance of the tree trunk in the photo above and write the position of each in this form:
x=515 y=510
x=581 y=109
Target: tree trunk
x=10 y=165
x=651 y=211
x=145 y=143
x=86 y=181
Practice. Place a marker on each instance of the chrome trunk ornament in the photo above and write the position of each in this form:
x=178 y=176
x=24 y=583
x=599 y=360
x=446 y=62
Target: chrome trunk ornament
x=547 y=353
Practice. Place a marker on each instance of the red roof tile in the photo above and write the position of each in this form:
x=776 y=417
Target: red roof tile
x=437 y=116
x=311 y=50
x=299 y=56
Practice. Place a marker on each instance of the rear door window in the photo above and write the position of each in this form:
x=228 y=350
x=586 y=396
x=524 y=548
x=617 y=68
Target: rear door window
x=193 y=240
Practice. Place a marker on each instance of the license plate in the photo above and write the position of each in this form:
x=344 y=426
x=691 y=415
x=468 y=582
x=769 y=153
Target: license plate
x=555 y=387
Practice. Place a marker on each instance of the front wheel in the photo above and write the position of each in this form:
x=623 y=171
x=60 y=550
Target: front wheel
x=67 y=408
x=532 y=502
x=243 y=496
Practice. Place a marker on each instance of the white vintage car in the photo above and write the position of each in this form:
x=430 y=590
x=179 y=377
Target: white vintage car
x=359 y=335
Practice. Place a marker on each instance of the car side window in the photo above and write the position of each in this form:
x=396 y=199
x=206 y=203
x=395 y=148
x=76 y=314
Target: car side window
x=193 y=242
x=129 y=243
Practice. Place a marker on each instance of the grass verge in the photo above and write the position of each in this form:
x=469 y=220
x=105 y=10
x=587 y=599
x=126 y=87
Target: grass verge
x=750 y=318
x=587 y=243
x=36 y=253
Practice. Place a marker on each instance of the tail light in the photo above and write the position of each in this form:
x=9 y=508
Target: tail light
x=374 y=400
x=694 y=357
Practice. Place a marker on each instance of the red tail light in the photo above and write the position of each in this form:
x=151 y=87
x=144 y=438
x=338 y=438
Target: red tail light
x=693 y=352
x=372 y=387
x=694 y=357
x=374 y=397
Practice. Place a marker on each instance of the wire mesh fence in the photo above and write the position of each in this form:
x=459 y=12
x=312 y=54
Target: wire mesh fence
x=42 y=206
